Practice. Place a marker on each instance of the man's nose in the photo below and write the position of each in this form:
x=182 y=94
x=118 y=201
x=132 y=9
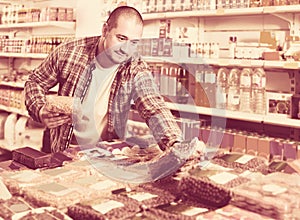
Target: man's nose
x=125 y=47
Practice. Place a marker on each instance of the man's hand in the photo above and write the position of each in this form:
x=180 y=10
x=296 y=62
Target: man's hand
x=53 y=119
x=191 y=149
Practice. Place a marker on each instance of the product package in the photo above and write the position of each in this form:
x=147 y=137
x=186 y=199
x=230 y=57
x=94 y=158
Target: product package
x=211 y=184
x=103 y=208
x=275 y=195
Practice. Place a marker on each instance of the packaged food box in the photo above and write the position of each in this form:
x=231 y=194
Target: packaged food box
x=144 y=197
x=178 y=210
x=42 y=213
x=102 y=208
x=230 y=212
x=17 y=180
x=31 y=158
x=242 y=161
x=276 y=195
x=211 y=184
x=13 y=206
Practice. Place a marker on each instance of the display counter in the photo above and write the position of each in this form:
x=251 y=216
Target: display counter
x=229 y=185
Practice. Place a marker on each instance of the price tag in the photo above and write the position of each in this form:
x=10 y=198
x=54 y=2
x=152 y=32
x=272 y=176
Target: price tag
x=244 y=159
x=291 y=65
x=220 y=11
x=141 y=196
x=246 y=62
x=223 y=178
x=270 y=9
x=105 y=184
x=223 y=62
x=194 y=211
x=107 y=206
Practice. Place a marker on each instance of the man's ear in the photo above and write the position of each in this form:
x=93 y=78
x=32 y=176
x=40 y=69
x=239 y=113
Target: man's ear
x=104 y=29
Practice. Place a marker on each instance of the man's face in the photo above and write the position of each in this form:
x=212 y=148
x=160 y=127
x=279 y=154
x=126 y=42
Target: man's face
x=121 y=42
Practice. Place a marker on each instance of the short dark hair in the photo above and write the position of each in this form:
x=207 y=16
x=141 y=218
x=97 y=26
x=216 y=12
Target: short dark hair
x=126 y=11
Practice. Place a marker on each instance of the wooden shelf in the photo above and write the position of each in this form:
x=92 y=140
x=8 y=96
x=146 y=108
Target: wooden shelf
x=62 y=24
x=237 y=115
x=24 y=55
x=19 y=85
x=282 y=121
x=14 y=110
x=228 y=62
x=223 y=12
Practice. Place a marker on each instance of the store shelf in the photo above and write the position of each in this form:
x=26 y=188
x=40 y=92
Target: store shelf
x=282 y=64
x=238 y=11
x=12 y=84
x=228 y=62
x=24 y=55
x=62 y=24
x=282 y=121
x=222 y=12
x=237 y=115
x=281 y=9
x=13 y=110
x=216 y=112
x=21 y=85
x=202 y=13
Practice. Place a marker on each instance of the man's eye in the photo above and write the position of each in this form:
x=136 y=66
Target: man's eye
x=134 y=42
x=122 y=38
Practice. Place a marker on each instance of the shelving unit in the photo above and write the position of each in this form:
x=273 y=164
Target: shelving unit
x=14 y=63
x=24 y=55
x=268 y=64
x=274 y=119
x=246 y=23
x=59 y=24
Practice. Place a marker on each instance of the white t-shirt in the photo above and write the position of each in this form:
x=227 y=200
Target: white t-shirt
x=95 y=105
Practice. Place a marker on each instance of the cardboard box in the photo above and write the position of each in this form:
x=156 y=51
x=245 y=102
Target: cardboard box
x=263 y=148
x=271 y=55
x=31 y=158
x=239 y=143
x=251 y=145
x=290 y=150
x=276 y=149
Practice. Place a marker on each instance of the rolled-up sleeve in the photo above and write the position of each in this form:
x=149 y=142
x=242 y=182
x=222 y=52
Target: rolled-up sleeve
x=152 y=108
x=40 y=80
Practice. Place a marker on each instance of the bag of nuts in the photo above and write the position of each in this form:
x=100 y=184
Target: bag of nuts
x=60 y=104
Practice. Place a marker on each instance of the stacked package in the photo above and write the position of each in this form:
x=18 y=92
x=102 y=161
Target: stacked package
x=276 y=195
x=40 y=213
x=179 y=210
x=242 y=161
x=144 y=198
x=31 y=158
x=68 y=186
x=13 y=206
x=18 y=180
x=230 y=212
x=210 y=184
x=17 y=208
x=167 y=185
x=35 y=159
x=108 y=207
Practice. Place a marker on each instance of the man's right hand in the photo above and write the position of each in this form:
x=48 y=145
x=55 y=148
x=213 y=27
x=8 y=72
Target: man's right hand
x=53 y=119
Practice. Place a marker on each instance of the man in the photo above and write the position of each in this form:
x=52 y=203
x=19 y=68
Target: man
x=106 y=74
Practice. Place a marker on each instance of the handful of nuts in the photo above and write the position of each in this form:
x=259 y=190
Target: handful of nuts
x=63 y=104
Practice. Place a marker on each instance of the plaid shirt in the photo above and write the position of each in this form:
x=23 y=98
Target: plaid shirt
x=69 y=65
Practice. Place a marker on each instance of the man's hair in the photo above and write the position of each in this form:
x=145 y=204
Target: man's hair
x=123 y=11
